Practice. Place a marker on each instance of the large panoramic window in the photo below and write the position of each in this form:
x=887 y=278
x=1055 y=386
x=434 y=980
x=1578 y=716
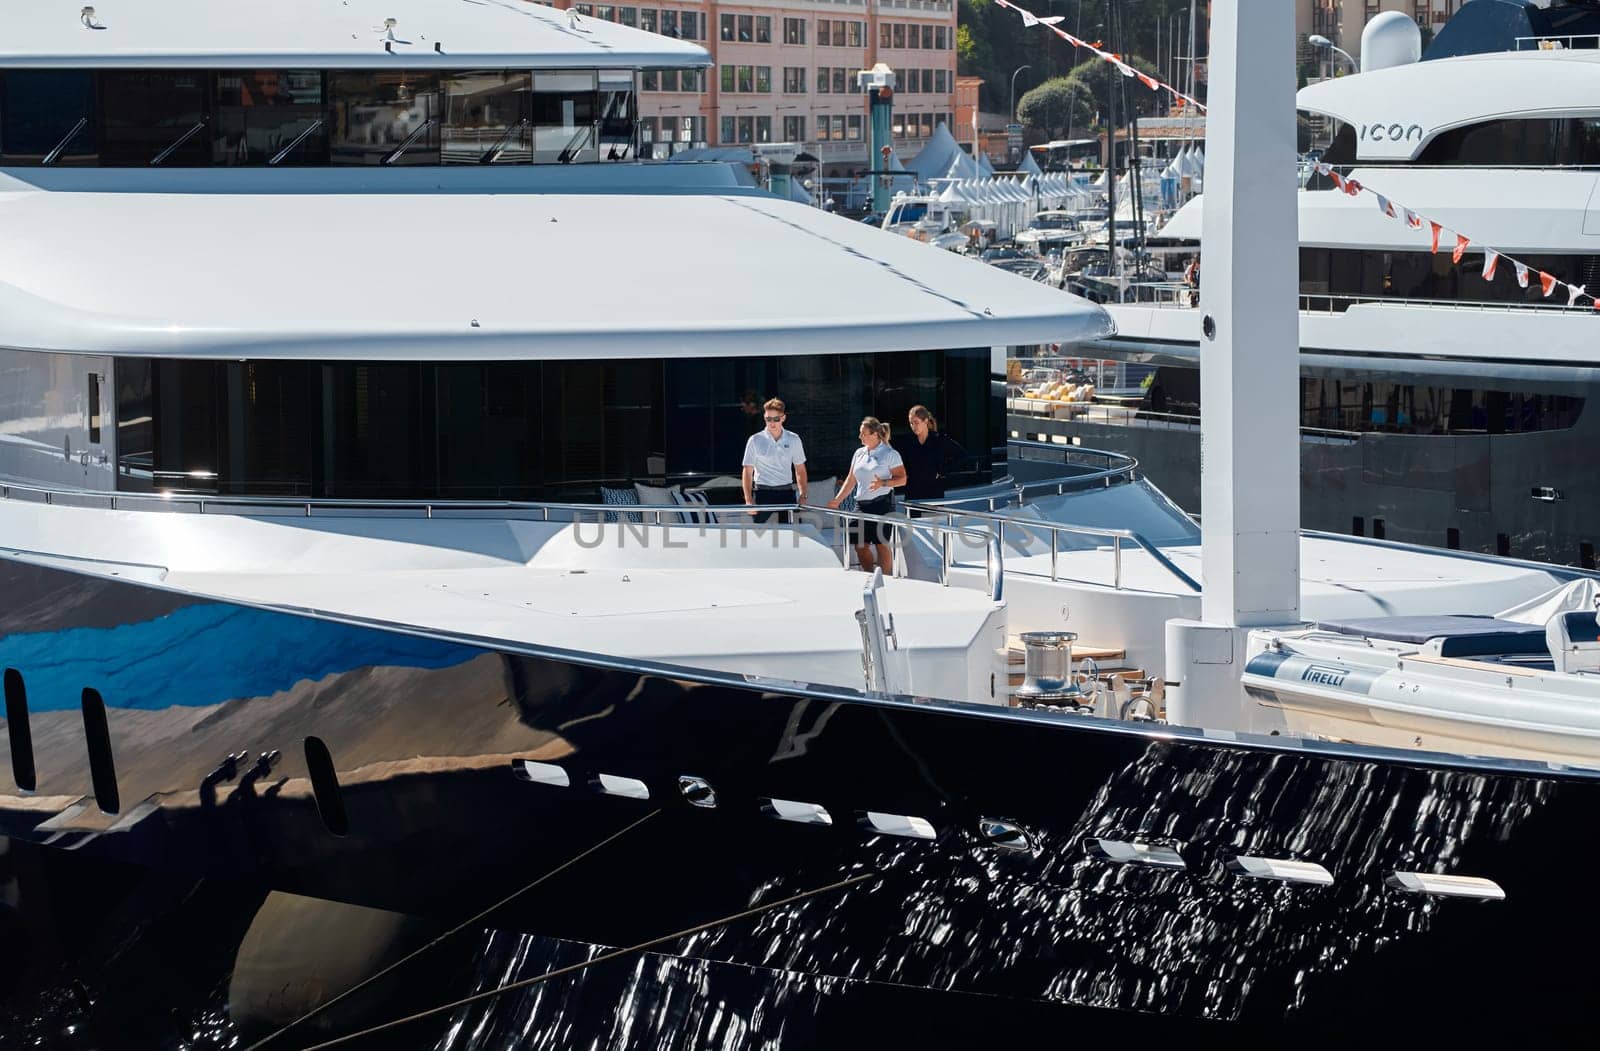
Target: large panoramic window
x=154 y=118
x=48 y=117
x=488 y=117
x=517 y=430
x=385 y=118
x=564 y=104
x=1333 y=278
x=270 y=117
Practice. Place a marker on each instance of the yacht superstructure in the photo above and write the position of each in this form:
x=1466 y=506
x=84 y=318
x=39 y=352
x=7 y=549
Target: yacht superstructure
x=1438 y=407
x=366 y=531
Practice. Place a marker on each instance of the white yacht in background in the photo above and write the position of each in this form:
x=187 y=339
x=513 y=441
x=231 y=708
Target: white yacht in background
x=1437 y=407
x=363 y=534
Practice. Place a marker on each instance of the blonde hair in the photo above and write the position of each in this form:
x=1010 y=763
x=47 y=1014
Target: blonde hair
x=872 y=423
x=922 y=412
x=776 y=403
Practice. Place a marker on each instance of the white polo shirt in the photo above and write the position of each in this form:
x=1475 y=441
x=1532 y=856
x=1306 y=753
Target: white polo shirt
x=774 y=458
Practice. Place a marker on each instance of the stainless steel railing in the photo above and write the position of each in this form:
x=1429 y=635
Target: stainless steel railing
x=662 y=516
x=1056 y=530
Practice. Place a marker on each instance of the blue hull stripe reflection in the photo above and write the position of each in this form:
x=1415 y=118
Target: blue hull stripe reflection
x=203 y=655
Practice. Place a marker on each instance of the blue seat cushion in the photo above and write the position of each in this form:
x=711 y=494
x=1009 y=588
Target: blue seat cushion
x=1463 y=636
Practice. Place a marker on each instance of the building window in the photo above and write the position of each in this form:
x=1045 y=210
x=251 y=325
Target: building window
x=823 y=80
x=822 y=128
x=647 y=19
x=606 y=13
x=647 y=129
x=839 y=86
x=853 y=127
x=669 y=23
x=927 y=82
x=725 y=24
x=763 y=129
x=941 y=80
x=764 y=79
x=763 y=29
x=669 y=80
x=747 y=79
x=794 y=129
x=927 y=38
x=747 y=130
x=725 y=129
x=728 y=74
x=837 y=120
x=794 y=31
x=913 y=40
x=794 y=80
x=747 y=29
x=628 y=16
x=899 y=35
x=824 y=32
x=885 y=35
x=689 y=25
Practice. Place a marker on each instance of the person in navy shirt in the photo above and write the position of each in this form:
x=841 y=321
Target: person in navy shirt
x=929 y=455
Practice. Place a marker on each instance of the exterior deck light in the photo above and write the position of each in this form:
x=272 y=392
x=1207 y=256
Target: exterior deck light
x=86 y=16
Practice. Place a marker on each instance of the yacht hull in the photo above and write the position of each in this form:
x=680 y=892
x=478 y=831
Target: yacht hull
x=424 y=733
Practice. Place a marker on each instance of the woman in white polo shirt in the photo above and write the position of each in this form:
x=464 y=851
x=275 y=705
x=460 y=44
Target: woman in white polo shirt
x=876 y=471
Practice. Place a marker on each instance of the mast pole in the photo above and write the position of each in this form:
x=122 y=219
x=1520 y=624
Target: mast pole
x=1249 y=365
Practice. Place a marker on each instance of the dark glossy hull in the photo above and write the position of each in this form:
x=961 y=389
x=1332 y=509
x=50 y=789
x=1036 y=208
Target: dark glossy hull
x=423 y=733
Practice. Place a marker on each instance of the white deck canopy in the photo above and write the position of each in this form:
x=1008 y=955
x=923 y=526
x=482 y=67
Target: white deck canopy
x=336 y=34
x=1398 y=111
x=493 y=277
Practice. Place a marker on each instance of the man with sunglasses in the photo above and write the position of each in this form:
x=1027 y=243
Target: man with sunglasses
x=774 y=465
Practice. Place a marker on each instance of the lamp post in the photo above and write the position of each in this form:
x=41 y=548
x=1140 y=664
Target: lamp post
x=1014 y=73
x=1322 y=43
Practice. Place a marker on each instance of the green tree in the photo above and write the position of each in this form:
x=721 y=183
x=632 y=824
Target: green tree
x=1096 y=77
x=1056 y=105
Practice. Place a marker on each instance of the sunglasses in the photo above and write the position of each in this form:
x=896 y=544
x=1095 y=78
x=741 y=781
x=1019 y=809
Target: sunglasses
x=774 y=419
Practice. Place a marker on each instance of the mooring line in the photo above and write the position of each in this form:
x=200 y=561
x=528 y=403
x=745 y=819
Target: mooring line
x=452 y=932
x=560 y=972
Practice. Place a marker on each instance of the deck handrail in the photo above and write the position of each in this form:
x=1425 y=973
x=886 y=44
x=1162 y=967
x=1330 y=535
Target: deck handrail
x=694 y=515
x=1117 y=537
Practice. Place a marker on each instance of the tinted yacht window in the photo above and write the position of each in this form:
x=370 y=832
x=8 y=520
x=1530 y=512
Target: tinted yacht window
x=564 y=104
x=154 y=118
x=269 y=116
x=488 y=118
x=47 y=114
x=385 y=118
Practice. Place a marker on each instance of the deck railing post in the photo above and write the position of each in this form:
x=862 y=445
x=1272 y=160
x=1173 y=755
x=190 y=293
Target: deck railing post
x=1116 y=549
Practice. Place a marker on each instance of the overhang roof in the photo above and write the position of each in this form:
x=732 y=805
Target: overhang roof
x=493 y=276
x=346 y=34
x=1402 y=108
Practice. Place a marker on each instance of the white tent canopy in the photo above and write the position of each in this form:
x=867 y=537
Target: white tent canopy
x=943 y=156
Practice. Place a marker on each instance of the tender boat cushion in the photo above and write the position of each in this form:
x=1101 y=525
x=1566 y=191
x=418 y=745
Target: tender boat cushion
x=1460 y=636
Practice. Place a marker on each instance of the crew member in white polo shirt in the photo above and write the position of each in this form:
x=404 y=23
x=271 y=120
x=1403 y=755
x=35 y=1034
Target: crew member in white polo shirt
x=774 y=464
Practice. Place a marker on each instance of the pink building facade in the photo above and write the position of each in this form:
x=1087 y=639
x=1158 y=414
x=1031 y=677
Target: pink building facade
x=786 y=72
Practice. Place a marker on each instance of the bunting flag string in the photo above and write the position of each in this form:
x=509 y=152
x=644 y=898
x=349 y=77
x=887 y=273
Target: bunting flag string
x=1391 y=209
x=1029 y=19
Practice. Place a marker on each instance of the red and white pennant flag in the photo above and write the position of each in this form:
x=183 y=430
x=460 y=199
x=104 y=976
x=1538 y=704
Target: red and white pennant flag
x=1547 y=283
x=1491 y=259
x=1522 y=274
x=1461 y=248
